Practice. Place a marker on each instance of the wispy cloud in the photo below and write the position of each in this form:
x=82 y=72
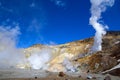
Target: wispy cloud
x=5 y=8
x=32 y=5
x=0 y=3
x=35 y=26
x=59 y=3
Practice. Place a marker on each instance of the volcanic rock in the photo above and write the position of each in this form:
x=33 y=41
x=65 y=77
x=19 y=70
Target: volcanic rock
x=61 y=74
x=97 y=62
x=115 y=72
x=107 y=78
x=79 y=53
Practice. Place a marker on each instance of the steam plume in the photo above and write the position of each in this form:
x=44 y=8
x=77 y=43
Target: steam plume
x=97 y=7
x=10 y=56
x=39 y=58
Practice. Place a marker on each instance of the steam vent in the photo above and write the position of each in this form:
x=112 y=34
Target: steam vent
x=72 y=61
x=78 y=55
x=59 y=39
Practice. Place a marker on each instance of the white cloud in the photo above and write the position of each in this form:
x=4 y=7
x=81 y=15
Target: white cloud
x=51 y=43
x=59 y=3
x=35 y=26
x=32 y=4
x=6 y=9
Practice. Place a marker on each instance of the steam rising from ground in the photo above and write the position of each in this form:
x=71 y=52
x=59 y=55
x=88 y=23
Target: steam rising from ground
x=39 y=58
x=10 y=56
x=69 y=66
x=98 y=6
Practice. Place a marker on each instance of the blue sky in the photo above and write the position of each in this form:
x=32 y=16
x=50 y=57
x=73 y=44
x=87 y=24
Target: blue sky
x=53 y=21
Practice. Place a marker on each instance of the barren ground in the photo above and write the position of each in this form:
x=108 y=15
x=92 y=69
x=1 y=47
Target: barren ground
x=18 y=74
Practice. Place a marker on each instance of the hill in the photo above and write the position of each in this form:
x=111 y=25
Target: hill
x=76 y=56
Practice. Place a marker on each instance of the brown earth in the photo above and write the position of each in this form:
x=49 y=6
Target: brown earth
x=78 y=53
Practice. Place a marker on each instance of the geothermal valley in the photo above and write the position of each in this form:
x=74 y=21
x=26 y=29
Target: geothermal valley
x=93 y=58
x=70 y=61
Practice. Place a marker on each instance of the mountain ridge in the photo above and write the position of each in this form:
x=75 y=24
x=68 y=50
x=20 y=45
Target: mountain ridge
x=76 y=53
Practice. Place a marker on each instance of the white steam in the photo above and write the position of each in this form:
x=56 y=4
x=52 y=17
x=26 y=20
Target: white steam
x=10 y=56
x=69 y=66
x=98 y=6
x=39 y=58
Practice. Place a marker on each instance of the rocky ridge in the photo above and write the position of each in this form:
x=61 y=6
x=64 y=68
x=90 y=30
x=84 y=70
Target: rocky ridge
x=78 y=55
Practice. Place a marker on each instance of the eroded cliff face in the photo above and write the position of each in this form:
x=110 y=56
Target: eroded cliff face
x=77 y=56
x=105 y=59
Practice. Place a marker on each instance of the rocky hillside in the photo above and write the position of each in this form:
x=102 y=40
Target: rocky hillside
x=76 y=56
